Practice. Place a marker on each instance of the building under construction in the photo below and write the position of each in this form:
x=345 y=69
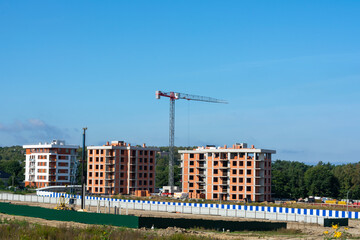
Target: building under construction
x=221 y=173
x=119 y=168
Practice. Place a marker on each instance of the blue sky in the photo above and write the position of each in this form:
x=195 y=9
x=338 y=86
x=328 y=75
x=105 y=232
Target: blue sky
x=289 y=69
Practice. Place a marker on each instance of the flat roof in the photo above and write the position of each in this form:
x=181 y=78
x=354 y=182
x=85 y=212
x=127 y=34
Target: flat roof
x=228 y=150
x=122 y=147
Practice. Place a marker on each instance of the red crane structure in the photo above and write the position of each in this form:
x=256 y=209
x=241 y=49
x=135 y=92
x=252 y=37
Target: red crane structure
x=176 y=96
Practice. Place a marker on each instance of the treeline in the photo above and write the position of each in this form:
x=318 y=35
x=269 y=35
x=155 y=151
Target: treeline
x=289 y=179
x=299 y=180
x=12 y=162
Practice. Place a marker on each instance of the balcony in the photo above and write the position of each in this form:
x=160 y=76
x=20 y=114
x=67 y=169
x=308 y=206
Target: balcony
x=110 y=170
x=110 y=178
x=224 y=166
x=110 y=163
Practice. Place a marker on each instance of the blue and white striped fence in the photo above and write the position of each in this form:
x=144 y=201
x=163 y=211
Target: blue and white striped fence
x=242 y=211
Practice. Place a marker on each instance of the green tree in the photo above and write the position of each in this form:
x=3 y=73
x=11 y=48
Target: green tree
x=320 y=181
x=288 y=179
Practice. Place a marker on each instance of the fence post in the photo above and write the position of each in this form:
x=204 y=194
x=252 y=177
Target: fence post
x=127 y=210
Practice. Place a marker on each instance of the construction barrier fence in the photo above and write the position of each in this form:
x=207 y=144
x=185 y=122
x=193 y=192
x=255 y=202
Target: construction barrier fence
x=133 y=221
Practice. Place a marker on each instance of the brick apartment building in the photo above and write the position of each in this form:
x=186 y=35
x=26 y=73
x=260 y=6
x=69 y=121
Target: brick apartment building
x=119 y=168
x=234 y=174
x=50 y=164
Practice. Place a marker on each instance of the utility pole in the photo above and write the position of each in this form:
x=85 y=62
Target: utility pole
x=83 y=177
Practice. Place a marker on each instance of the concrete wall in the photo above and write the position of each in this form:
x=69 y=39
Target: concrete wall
x=241 y=211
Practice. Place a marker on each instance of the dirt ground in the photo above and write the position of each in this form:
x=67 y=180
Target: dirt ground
x=309 y=231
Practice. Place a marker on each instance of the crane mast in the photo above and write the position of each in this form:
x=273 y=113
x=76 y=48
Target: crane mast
x=176 y=96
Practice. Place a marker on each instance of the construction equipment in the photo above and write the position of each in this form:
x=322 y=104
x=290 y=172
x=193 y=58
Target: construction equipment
x=61 y=204
x=176 y=96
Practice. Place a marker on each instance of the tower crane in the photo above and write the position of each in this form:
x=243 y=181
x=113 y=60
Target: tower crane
x=176 y=96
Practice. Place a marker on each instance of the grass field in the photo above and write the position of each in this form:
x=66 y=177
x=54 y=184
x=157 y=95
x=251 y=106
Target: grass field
x=21 y=229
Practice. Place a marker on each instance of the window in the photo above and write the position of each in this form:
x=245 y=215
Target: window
x=96 y=181
x=241 y=180
x=248 y=180
x=150 y=182
x=102 y=151
x=101 y=190
x=121 y=182
x=240 y=196
x=140 y=175
x=90 y=166
x=140 y=182
x=191 y=170
x=191 y=177
x=216 y=171
x=248 y=163
x=97 y=151
x=91 y=151
x=241 y=163
x=97 y=174
x=233 y=196
x=145 y=167
x=121 y=174
x=101 y=174
x=191 y=155
x=140 y=160
x=140 y=167
x=151 y=153
x=215 y=195
x=241 y=188
x=96 y=166
x=151 y=160
x=216 y=179
x=150 y=175
x=90 y=182
x=248 y=188
x=145 y=160
x=122 y=159
x=90 y=174
x=241 y=171
x=234 y=163
x=101 y=159
x=234 y=171
x=101 y=181
x=216 y=163
x=145 y=182
x=191 y=184
x=215 y=187
x=101 y=166
x=248 y=172
x=97 y=159
x=234 y=180
x=122 y=167
x=191 y=163
x=145 y=175
x=234 y=188
x=90 y=159
x=151 y=168
x=145 y=152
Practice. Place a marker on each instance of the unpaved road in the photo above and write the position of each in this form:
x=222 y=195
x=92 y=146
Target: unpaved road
x=310 y=231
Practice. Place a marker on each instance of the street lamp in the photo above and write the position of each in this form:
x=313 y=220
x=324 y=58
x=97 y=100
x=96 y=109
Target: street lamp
x=347 y=202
